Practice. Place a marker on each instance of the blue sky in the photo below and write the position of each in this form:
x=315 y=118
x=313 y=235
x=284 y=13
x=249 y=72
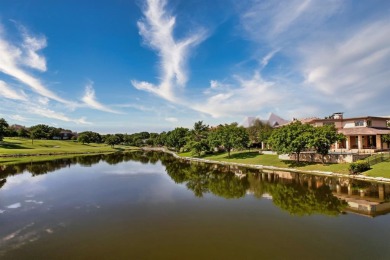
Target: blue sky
x=128 y=66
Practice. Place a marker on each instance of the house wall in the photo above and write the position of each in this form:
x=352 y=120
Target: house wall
x=379 y=123
x=351 y=124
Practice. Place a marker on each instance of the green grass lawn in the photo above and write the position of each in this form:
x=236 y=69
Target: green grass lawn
x=273 y=160
x=379 y=170
x=23 y=146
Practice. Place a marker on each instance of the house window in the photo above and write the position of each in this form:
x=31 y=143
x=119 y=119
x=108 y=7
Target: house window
x=369 y=123
x=359 y=123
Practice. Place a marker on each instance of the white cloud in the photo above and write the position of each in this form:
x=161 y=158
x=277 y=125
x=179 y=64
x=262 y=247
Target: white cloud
x=13 y=57
x=18 y=118
x=157 y=31
x=31 y=45
x=43 y=100
x=46 y=112
x=90 y=100
x=172 y=119
x=285 y=20
x=7 y=92
x=249 y=96
x=354 y=69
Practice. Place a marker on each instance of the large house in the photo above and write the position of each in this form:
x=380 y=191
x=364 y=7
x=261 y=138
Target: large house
x=363 y=134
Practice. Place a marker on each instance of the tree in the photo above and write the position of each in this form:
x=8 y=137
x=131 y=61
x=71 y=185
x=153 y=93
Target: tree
x=229 y=136
x=323 y=138
x=177 y=138
x=89 y=137
x=3 y=128
x=291 y=138
x=386 y=139
x=83 y=138
x=259 y=132
x=23 y=132
x=197 y=142
x=34 y=134
x=112 y=140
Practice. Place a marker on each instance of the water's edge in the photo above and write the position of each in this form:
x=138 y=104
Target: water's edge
x=269 y=168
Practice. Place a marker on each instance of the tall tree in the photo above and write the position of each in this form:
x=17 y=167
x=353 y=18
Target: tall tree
x=259 y=132
x=322 y=139
x=112 y=140
x=229 y=136
x=291 y=138
x=3 y=128
x=197 y=142
x=177 y=138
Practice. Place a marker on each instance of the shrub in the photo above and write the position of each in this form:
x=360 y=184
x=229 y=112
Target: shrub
x=359 y=166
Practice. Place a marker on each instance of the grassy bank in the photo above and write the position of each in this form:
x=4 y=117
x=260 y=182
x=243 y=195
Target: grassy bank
x=379 y=170
x=48 y=149
x=273 y=160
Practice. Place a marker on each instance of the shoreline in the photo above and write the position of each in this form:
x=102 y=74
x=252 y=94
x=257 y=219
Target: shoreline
x=271 y=168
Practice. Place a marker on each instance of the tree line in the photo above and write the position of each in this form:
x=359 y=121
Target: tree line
x=293 y=138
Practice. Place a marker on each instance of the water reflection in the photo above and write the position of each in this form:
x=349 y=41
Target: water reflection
x=298 y=194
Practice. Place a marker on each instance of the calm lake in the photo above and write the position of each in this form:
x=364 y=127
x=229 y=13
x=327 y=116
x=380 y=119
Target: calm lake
x=148 y=205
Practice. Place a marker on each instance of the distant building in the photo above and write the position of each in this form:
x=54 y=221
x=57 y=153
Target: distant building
x=273 y=120
x=363 y=133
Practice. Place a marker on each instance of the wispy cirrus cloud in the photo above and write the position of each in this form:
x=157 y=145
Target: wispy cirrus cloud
x=7 y=92
x=13 y=57
x=89 y=99
x=357 y=66
x=157 y=30
x=48 y=113
x=18 y=118
x=339 y=63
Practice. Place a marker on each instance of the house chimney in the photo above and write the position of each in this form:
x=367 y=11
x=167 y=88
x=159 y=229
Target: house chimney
x=338 y=115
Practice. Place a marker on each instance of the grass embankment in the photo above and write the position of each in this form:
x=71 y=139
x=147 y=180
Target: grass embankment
x=379 y=170
x=12 y=150
x=273 y=160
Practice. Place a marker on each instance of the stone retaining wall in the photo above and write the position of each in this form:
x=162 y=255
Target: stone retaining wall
x=330 y=158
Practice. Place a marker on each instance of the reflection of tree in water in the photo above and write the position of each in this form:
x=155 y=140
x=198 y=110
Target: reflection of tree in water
x=291 y=195
x=297 y=199
x=202 y=178
x=88 y=160
x=2 y=182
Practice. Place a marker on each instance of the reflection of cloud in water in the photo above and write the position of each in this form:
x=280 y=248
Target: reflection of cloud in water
x=24 y=179
x=27 y=234
x=14 y=206
x=34 y=201
x=133 y=168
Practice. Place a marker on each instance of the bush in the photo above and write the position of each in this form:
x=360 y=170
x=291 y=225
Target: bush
x=359 y=166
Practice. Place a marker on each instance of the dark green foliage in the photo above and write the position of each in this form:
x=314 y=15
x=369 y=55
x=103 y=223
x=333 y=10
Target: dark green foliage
x=177 y=138
x=112 y=140
x=3 y=128
x=89 y=137
x=197 y=139
x=386 y=139
x=229 y=136
x=259 y=132
x=322 y=139
x=359 y=166
x=291 y=138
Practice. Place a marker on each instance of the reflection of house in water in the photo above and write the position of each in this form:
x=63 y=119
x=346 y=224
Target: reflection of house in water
x=365 y=198
x=369 y=201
